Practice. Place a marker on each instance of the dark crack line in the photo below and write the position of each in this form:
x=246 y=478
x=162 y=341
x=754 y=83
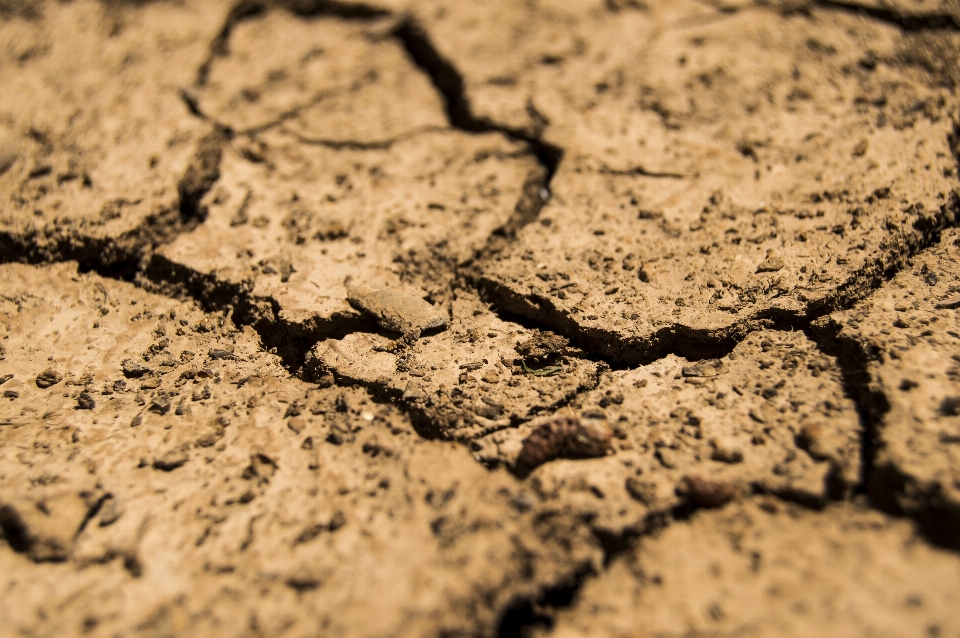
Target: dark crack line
x=903 y=20
x=536 y=611
x=449 y=83
x=248 y=9
x=696 y=344
x=881 y=485
x=317 y=99
x=220 y=47
x=640 y=171
x=376 y=145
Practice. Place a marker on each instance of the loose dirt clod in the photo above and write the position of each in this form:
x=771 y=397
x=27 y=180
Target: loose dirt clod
x=564 y=437
x=396 y=310
x=542 y=344
x=48 y=378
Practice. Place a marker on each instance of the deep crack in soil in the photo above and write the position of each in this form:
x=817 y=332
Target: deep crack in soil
x=670 y=310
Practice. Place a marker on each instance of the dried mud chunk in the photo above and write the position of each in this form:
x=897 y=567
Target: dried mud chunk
x=88 y=183
x=741 y=237
x=568 y=437
x=133 y=370
x=356 y=358
x=805 y=443
x=396 y=310
x=751 y=564
x=542 y=344
x=444 y=377
x=907 y=337
x=85 y=401
x=171 y=460
x=382 y=195
x=48 y=378
x=326 y=79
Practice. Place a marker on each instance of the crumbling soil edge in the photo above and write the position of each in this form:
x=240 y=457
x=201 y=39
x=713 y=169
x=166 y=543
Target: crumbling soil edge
x=907 y=21
x=695 y=344
x=882 y=484
x=120 y=257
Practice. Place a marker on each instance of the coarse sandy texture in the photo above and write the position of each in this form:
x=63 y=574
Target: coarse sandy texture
x=215 y=493
x=326 y=79
x=463 y=318
x=746 y=186
x=463 y=383
x=109 y=160
x=906 y=336
x=762 y=568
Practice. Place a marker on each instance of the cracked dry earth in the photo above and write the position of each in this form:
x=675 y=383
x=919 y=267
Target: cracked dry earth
x=471 y=318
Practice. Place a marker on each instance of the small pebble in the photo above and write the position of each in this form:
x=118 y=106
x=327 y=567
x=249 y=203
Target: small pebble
x=111 y=512
x=133 y=370
x=48 y=378
x=564 y=437
x=160 y=405
x=770 y=264
x=85 y=401
x=171 y=460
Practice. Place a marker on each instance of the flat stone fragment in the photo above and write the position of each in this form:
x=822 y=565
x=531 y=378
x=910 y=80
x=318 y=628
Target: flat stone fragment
x=699 y=211
x=908 y=340
x=99 y=161
x=396 y=310
x=778 y=569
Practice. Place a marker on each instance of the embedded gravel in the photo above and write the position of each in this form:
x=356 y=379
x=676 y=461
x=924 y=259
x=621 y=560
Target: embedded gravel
x=479 y=318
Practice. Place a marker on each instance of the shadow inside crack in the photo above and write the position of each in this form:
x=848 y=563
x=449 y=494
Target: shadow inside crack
x=537 y=612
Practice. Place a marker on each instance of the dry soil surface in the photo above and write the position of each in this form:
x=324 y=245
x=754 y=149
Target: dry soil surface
x=473 y=318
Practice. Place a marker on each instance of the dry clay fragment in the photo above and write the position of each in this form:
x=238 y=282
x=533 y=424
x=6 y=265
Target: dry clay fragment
x=700 y=440
x=706 y=252
x=465 y=381
x=395 y=310
x=564 y=437
x=48 y=378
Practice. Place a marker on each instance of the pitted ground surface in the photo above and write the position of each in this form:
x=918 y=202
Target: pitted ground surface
x=473 y=319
